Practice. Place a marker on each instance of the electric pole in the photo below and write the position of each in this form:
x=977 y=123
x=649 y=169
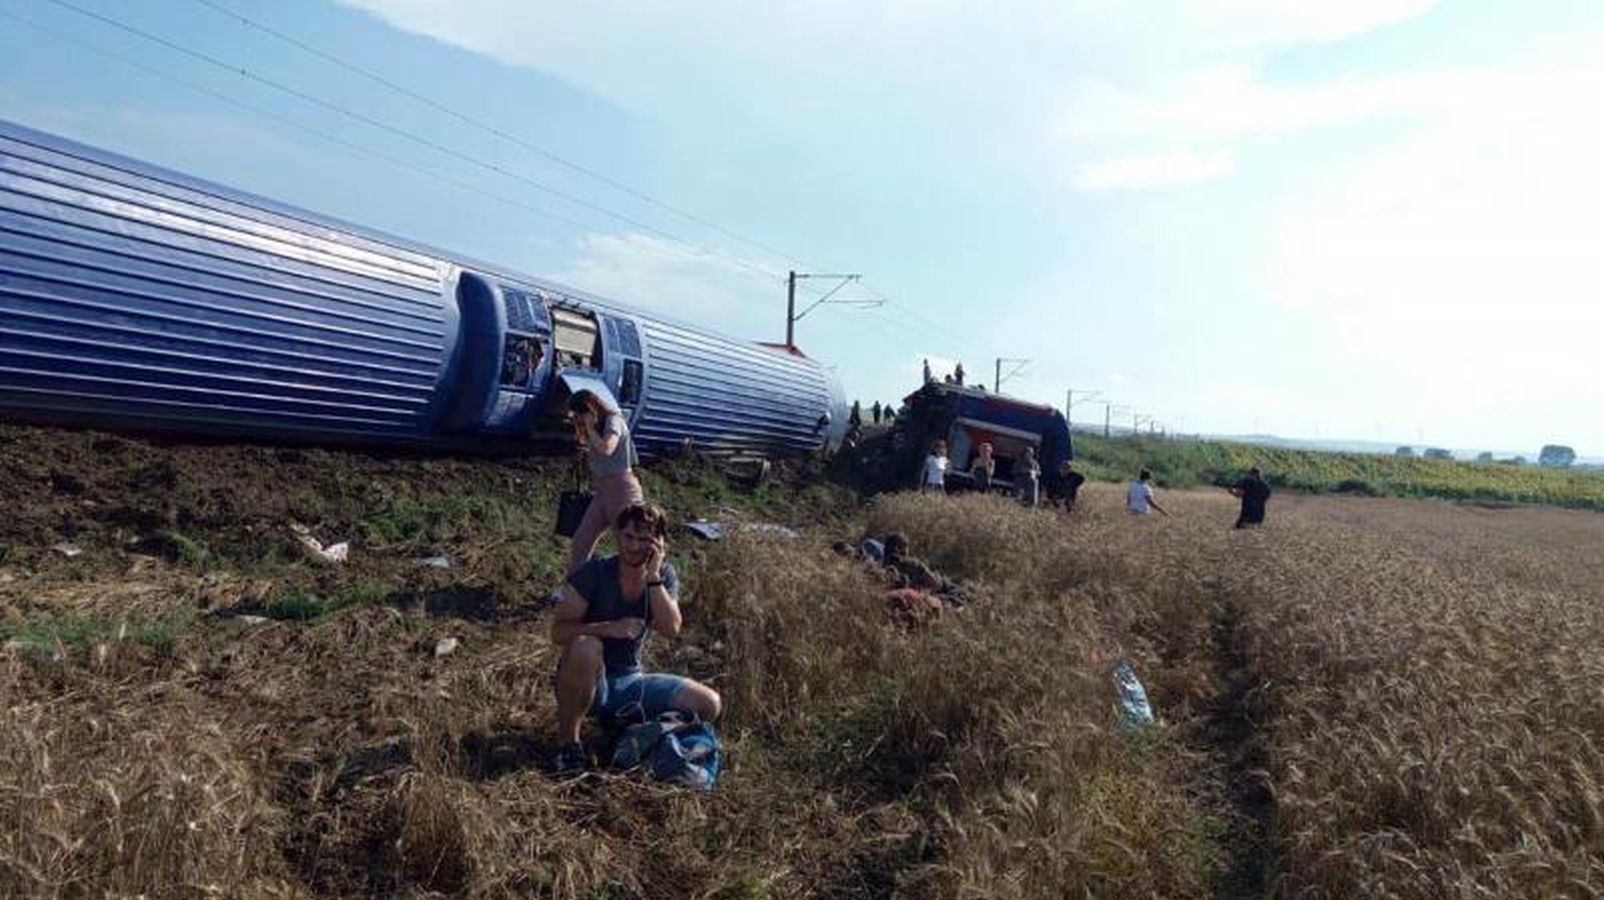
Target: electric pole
x=1069 y=404
x=1108 y=416
x=792 y=316
x=1017 y=363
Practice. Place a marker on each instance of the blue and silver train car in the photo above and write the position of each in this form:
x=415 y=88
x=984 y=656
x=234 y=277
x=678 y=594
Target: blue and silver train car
x=138 y=298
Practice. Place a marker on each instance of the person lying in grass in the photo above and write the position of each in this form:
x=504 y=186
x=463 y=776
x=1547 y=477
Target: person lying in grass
x=609 y=608
x=910 y=572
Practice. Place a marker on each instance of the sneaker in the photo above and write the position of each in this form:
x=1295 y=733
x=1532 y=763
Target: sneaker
x=569 y=759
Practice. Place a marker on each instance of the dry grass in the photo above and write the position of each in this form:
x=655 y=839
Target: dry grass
x=1368 y=698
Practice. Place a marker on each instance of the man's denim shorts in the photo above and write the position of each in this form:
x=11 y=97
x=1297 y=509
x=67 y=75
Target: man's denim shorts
x=631 y=695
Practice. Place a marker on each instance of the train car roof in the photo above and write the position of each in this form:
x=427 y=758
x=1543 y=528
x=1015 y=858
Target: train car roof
x=45 y=140
x=970 y=392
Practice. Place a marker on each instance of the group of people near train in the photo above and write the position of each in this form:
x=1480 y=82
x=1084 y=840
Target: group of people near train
x=608 y=607
x=982 y=472
x=1251 y=489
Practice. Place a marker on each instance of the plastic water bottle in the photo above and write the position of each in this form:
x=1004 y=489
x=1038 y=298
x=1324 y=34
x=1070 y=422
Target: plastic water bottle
x=1134 y=711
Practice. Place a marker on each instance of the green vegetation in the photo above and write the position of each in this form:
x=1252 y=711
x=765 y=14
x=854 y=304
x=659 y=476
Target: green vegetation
x=446 y=517
x=46 y=631
x=1198 y=463
x=187 y=550
x=306 y=606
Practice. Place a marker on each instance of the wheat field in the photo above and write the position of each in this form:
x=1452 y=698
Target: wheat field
x=1367 y=697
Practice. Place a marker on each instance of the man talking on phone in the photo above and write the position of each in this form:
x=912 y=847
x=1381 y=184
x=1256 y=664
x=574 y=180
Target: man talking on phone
x=609 y=608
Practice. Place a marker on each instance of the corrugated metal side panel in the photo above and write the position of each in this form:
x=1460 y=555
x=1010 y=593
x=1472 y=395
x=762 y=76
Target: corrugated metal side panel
x=727 y=395
x=129 y=298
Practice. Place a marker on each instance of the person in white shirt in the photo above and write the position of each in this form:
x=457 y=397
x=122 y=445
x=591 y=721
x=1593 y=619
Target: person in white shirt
x=935 y=471
x=1140 y=496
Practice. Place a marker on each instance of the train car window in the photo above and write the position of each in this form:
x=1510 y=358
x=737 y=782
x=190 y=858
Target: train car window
x=575 y=338
x=520 y=316
x=519 y=361
x=623 y=336
x=629 y=385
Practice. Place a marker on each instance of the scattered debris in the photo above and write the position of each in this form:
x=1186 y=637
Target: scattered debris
x=707 y=531
x=716 y=531
x=333 y=553
x=252 y=620
x=446 y=646
x=435 y=562
x=67 y=549
x=1135 y=713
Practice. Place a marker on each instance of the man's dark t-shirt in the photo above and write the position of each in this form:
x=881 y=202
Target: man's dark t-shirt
x=1072 y=483
x=1255 y=493
x=597 y=582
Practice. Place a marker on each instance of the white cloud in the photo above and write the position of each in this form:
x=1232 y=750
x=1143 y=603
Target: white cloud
x=1463 y=262
x=1301 y=20
x=776 y=63
x=677 y=280
x=1162 y=170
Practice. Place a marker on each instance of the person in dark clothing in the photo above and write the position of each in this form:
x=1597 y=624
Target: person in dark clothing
x=958 y=374
x=1069 y=482
x=1254 y=493
x=855 y=416
x=874 y=412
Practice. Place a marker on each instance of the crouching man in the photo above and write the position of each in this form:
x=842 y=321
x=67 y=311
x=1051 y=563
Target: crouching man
x=608 y=609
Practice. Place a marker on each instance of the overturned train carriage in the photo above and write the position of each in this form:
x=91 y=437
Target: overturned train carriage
x=138 y=298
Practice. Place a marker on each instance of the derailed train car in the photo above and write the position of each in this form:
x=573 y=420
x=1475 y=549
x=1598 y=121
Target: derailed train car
x=138 y=298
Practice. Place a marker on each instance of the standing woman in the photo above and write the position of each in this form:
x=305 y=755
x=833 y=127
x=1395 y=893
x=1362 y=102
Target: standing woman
x=603 y=436
x=933 y=478
x=983 y=468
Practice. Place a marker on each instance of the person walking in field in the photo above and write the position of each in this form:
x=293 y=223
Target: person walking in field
x=1139 y=498
x=874 y=412
x=603 y=437
x=855 y=416
x=1254 y=492
x=934 y=476
x=609 y=609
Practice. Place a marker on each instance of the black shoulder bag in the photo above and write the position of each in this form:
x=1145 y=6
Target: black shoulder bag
x=572 y=504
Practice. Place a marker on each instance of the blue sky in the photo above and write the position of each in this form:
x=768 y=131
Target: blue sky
x=1375 y=219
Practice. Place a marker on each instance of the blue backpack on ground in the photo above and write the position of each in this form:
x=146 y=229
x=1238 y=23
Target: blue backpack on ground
x=672 y=748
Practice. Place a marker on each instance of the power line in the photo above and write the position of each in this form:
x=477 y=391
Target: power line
x=532 y=147
x=285 y=120
x=460 y=116
x=394 y=130
x=918 y=319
